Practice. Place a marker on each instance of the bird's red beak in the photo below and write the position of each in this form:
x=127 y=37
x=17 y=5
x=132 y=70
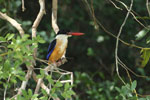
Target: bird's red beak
x=75 y=33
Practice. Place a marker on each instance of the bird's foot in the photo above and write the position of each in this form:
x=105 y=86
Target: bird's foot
x=61 y=61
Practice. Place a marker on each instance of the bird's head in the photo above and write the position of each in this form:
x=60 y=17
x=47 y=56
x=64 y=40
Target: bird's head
x=69 y=33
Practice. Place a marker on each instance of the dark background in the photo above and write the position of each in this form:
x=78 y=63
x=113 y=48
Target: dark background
x=91 y=57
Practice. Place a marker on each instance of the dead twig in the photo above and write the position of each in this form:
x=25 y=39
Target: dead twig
x=117 y=41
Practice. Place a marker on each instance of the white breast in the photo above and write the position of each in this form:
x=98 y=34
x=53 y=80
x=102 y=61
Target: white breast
x=62 y=40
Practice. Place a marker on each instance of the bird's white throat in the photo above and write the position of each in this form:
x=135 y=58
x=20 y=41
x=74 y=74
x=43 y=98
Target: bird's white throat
x=63 y=41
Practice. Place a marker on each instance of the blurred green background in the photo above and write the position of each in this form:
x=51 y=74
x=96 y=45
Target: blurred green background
x=90 y=57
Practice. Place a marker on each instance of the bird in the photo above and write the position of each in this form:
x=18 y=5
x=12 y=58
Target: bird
x=57 y=48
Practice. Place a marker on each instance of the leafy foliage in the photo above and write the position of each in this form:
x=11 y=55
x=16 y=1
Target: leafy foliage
x=91 y=57
x=145 y=56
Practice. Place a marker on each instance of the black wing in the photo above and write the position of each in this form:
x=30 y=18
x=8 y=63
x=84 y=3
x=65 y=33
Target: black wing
x=51 y=48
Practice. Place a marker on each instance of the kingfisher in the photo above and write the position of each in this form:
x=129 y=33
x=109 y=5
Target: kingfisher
x=57 y=48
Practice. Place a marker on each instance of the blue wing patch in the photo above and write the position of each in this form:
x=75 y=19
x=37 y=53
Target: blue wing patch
x=51 y=48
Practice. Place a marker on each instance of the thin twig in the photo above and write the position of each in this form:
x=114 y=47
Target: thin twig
x=111 y=34
x=123 y=65
x=117 y=41
x=5 y=91
x=130 y=12
x=48 y=68
x=115 y=5
x=147 y=6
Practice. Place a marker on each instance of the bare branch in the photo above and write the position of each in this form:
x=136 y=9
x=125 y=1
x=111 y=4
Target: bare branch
x=39 y=17
x=37 y=21
x=130 y=12
x=24 y=83
x=41 y=84
x=6 y=89
x=13 y=22
x=54 y=16
x=147 y=6
x=23 y=8
x=115 y=5
x=117 y=41
x=48 y=68
x=38 y=85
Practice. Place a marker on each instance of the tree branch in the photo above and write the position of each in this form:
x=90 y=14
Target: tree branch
x=42 y=85
x=117 y=41
x=13 y=23
x=147 y=6
x=37 y=21
x=34 y=28
x=48 y=68
x=23 y=8
x=24 y=83
x=54 y=16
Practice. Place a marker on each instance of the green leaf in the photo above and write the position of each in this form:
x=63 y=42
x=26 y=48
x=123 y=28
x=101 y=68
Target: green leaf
x=71 y=92
x=24 y=93
x=1 y=58
x=21 y=78
x=133 y=85
x=68 y=94
x=10 y=36
x=118 y=89
x=17 y=63
x=54 y=95
x=40 y=40
x=42 y=73
x=4 y=10
x=43 y=98
x=142 y=33
x=58 y=84
x=148 y=40
x=50 y=80
x=90 y=52
x=7 y=65
x=67 y=86
x=44 y=92
x=28 y=63
x=19 y=97
x=30 y=92
x=2 y=39
x=145 y=56
x=13 y=80
x=34 y=97
x=39 y=76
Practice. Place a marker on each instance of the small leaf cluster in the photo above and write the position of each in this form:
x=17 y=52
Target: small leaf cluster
x=57 y=88
x=27 y=95
x=15 y=52
x=127 y=91
x=105 y=90
x=145 y=55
